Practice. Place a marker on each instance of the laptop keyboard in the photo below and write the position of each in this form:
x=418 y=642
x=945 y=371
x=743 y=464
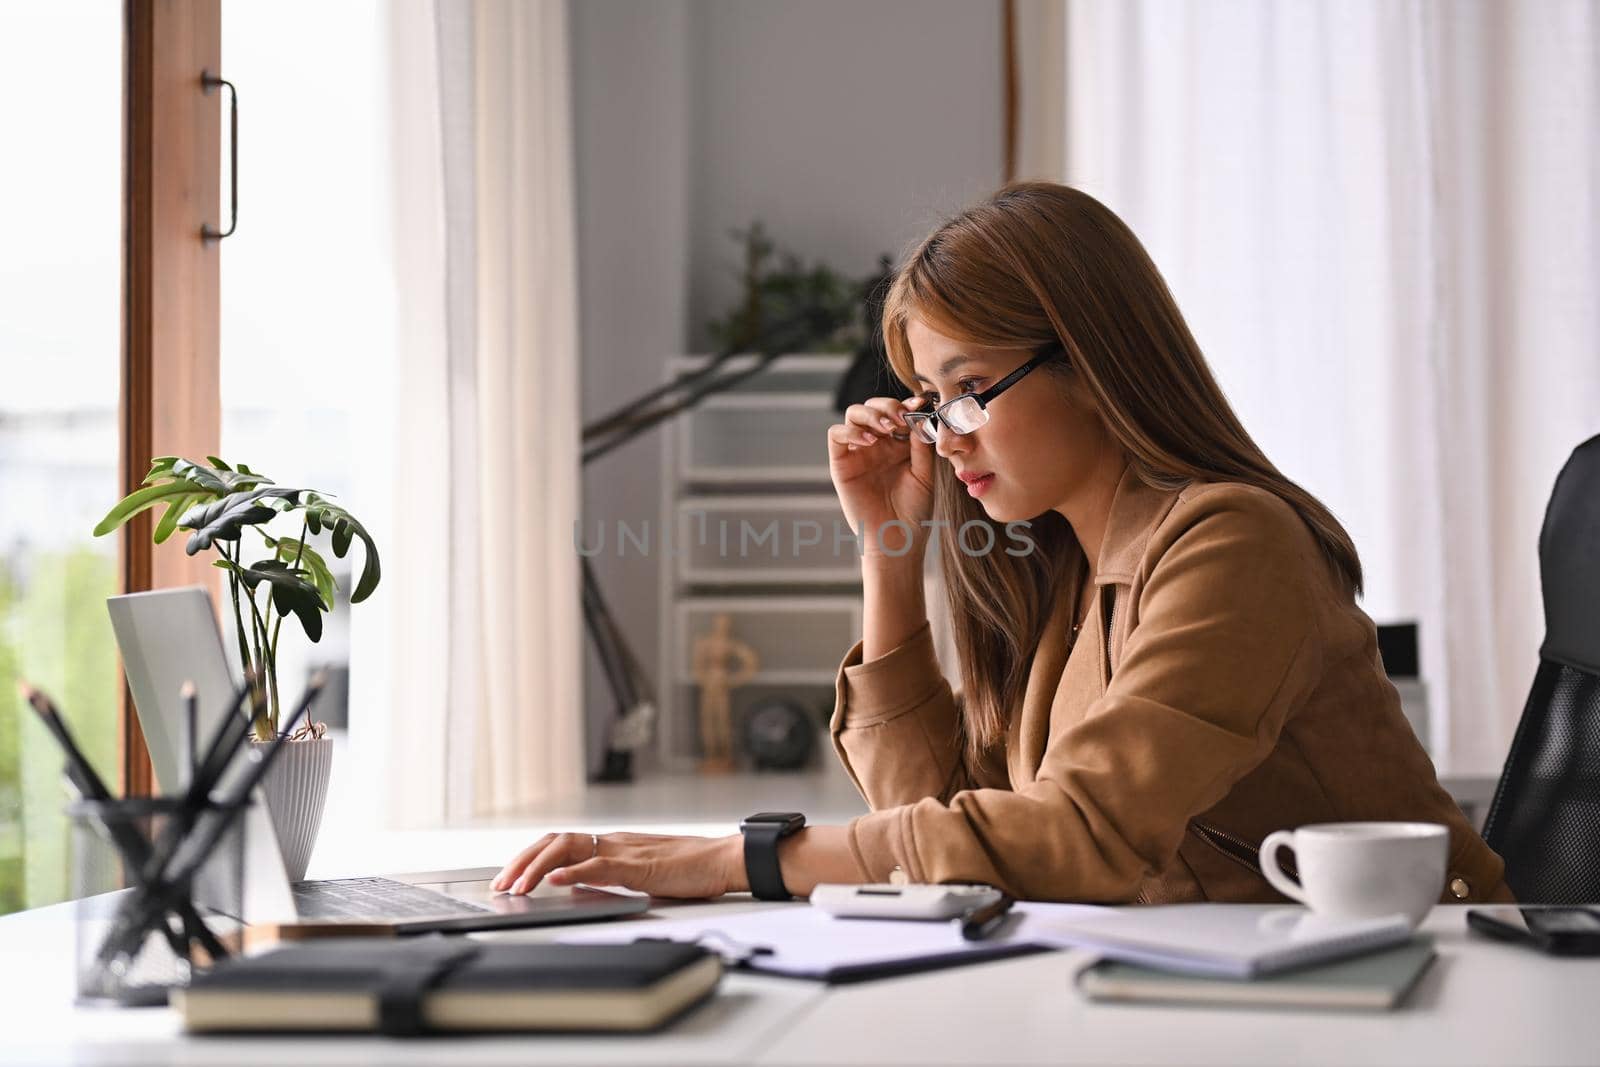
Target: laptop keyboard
x=375 y=898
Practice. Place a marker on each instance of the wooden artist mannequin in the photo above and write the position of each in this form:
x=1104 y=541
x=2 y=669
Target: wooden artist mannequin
x=711 y=656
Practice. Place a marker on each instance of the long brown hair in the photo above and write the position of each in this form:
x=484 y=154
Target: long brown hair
x=1040 y=264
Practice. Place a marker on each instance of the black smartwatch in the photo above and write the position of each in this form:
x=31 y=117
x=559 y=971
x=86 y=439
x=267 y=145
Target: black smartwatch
x=762 y=832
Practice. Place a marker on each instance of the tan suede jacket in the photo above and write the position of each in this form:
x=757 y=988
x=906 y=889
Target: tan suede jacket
x=1223 y=686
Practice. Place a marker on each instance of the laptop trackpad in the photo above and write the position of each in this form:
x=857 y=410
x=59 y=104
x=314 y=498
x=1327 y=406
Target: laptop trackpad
x=472 y=885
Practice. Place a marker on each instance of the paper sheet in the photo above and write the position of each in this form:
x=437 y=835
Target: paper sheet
x=807 y=942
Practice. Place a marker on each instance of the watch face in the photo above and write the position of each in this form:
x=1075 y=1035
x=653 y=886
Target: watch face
x=783 y=818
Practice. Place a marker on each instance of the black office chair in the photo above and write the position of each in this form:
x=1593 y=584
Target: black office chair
x=1545 y=817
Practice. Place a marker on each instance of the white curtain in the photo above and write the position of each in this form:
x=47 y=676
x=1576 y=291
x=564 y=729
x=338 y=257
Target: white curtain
x=530 y=740
x=1381 y=220
x=482 y=705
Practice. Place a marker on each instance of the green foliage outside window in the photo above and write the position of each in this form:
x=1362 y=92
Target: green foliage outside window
x=55 y=632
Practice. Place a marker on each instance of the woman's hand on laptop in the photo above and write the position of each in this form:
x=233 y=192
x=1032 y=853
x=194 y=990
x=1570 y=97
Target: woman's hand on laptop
x=663 y=866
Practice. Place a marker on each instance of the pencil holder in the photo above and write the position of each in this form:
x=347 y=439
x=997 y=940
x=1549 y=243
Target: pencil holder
x=137 y=938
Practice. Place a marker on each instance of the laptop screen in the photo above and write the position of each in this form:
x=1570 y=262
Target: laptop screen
x=169 y=637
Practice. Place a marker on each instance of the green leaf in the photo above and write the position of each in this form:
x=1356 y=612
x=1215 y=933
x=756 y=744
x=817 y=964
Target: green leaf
x=158 y=467
x=217 y=463
x=342 y=534
x=225 y=519
x=137 y=501
x=202 y=477
x=345 y=525
x=311 y=561
x=305 y=604
x=291 y=593
x=169 y=521
x=217 y=481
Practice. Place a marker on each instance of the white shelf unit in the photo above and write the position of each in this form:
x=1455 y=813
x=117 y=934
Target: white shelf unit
x=740 y=439
x=754 y=538
x=741 y=464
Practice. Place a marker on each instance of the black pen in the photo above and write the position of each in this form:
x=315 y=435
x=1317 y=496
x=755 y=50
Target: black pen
x=87 y=781
x=191 y=727
x=984 y=920
x=225 y=740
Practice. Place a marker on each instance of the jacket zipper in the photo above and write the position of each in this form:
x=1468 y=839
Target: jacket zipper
x=1235 y=848
x=1111 y=625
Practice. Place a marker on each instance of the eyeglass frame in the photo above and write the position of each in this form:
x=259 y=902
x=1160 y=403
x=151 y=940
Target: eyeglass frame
x=932 y=419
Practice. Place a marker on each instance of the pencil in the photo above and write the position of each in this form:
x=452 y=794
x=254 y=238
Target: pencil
x=191 y=717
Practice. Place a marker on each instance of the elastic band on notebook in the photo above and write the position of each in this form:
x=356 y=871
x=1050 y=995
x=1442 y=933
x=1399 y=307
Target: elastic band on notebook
x=400 y=994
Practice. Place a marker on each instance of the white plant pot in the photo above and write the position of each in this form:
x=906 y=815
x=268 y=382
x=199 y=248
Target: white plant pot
x=296 y=789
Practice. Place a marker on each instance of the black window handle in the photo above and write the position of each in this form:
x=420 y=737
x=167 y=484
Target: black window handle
x=209 y=82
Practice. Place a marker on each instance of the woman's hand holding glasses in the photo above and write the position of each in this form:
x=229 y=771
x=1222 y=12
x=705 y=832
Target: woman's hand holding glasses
x=883 y=473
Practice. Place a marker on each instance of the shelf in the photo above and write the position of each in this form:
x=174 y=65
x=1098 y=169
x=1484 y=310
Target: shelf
x=763 y=538
x=749 y=466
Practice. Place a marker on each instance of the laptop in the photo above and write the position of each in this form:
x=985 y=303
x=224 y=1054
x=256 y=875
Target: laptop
x=170 y=636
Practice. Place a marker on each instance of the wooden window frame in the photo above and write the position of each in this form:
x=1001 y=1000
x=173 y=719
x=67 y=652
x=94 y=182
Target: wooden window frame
x=170 y=382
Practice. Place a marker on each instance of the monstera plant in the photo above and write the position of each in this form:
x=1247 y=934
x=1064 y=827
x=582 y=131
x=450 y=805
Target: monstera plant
x=218 y=503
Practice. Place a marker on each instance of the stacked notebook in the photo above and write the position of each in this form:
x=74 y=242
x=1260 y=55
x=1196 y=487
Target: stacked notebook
x=432 y=984
x=1244 y=955
x=1229 y=941
x=1375 y=981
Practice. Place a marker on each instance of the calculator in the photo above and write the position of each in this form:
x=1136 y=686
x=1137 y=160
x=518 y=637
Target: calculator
x=901 y=901
x=1559 y=930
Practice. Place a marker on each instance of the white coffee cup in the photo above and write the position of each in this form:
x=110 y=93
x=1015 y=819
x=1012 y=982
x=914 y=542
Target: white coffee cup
x=1362 y=870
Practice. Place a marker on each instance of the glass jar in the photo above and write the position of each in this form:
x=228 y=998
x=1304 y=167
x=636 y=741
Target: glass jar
x=134 y=944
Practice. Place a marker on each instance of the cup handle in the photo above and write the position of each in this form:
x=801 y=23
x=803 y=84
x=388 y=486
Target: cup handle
x=1273 y=873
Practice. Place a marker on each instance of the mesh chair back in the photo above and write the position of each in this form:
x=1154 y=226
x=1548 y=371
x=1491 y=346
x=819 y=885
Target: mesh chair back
x=1545 y=817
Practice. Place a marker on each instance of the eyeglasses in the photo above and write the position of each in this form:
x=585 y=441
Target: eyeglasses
x=966 y=413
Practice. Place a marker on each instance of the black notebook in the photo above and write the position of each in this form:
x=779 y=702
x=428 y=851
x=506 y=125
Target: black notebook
x=450 y=984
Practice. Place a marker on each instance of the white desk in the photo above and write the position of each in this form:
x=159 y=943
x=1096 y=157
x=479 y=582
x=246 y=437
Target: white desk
x=1481 y=1003
x=39 y=1024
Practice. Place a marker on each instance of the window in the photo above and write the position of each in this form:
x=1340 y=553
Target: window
x=307 y=296
x=60 y=322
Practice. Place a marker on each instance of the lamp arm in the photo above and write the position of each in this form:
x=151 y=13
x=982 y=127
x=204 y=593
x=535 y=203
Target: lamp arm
x=794 y=326
x=642 y=421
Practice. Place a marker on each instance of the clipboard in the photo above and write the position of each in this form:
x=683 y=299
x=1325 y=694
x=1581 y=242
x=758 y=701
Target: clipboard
x=799 y=941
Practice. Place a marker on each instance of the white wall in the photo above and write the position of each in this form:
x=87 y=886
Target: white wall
x=850 y=127
x=631 y=103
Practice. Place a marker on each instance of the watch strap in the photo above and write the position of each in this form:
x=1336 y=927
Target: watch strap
x=761 y=861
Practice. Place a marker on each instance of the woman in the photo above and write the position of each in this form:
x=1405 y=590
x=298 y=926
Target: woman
x=1164 y=665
